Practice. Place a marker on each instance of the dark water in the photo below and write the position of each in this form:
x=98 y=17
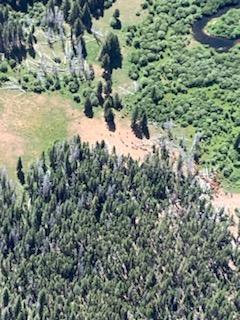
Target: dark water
x=218 y=43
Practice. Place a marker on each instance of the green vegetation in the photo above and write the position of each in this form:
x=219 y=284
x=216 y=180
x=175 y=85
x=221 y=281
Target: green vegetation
x=98 y=236
x=89 y=234
x=228 y=25
x=194 y=86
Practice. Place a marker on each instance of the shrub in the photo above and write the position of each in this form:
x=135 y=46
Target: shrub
x=73 y=87
x=3 y=67
x=12 y=63
x=77 y=98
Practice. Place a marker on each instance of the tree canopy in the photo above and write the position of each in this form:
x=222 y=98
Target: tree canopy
x=95 y=235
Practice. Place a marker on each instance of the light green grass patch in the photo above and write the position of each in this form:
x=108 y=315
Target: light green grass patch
x=29 y=125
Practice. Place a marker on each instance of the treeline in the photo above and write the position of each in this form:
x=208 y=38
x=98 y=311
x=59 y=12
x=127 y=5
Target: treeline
x=13 y=40
x=96 y=6
x=94 y=235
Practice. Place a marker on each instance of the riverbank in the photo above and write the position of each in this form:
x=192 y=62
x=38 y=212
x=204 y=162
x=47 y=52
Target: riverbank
x=202 y=34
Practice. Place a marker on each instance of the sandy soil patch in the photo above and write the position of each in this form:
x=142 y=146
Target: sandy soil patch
x=11 y=146
x=123 y=139
x=229 y=201
x=97 y=70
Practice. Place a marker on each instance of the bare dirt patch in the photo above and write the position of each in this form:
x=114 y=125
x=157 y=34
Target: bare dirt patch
x=11 y=146
x=123 y=139
x=229 y=201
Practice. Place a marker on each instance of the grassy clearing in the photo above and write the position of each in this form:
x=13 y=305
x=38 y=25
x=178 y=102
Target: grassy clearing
x=29 y=124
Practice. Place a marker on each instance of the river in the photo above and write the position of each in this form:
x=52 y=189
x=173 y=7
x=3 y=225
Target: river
x=218 y=43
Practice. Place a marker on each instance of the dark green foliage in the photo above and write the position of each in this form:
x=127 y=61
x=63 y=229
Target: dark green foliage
x=110 y=55
x=66 y=6
x=181 y=80
x=117 y=103
x=78 y=27
x=100 y=92
x=227 y=25
x=115 y=21
x=5 y=297
x=99 y=236
x=88 y=111
x=13 y=41
x=237 y=144
x=86 y=17
x=108 y=88
x=16 y=40
x=144 y=125
x=139 y=123
x=109 y=118
x=20 y=173
x=116 y=13
x=134 y=119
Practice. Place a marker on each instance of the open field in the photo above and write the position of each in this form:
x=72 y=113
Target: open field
x=30 y=123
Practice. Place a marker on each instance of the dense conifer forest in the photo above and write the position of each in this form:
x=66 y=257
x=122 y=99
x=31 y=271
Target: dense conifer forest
x=95 y=235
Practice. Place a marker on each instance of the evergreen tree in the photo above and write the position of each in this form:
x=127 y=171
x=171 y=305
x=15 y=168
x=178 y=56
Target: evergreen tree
x=108 y=88
x=66 y=7
x=75 y=13
x=42 y=300
x=111 y=48
x=134 y=118
x=109 y=117
x=116 y=13
x=117 y=102
x=78 y=27
x=17 y=308
x=88 y=110
x=144 y=125
x=105 y=62
x=100 y=92
x=5 y=297
x=86 y=17
x=115 y=21
x=20 y=173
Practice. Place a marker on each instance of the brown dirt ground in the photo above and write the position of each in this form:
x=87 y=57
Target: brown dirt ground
x=230 y=201
x=123 y=139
